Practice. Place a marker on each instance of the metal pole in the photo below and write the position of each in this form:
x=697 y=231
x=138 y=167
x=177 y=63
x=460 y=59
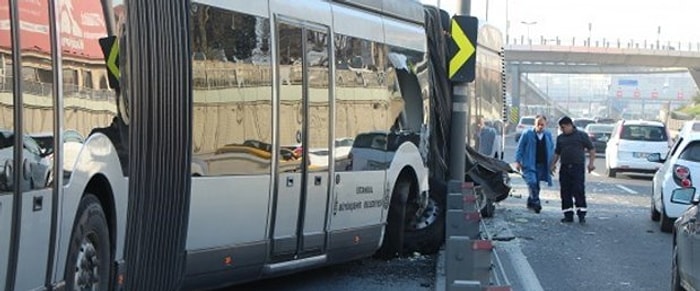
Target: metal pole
x=465 y=7
x=486 y=18
x=459 y=131
x=507 y=24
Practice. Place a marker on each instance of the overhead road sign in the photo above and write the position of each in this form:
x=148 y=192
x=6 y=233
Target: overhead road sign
x=463 y=31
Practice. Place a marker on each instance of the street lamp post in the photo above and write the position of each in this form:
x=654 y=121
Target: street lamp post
x=507 y=24
x=590 y=27
x=528 y=23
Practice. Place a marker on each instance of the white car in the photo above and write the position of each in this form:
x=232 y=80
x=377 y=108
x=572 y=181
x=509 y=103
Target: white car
x=525 y=123
x=631 y=142
x=680 y=169
x=36 y=169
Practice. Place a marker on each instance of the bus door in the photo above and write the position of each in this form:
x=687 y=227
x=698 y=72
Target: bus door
x=301 y=204
x=26 y=198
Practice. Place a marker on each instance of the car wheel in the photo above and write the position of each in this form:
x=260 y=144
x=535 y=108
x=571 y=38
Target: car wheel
x=655 y=214
x=485 y=205
x=666 y=222
x=612 y=173
x=89 y=254
x=675 y=275
x=425 y=231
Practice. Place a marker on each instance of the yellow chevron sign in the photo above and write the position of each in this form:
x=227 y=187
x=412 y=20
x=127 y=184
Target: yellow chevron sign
x=462 y=66
x=110 y=49
x=112 y=64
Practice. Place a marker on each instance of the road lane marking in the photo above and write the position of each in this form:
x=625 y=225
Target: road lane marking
x=628 y=190
x=524 y=272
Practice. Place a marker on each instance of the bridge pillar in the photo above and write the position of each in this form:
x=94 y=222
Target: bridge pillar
x=515 y=93
x=695 y=73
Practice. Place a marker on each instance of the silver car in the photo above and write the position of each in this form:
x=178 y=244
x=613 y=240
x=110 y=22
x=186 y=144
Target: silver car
x=685 y=265
x=36 y=169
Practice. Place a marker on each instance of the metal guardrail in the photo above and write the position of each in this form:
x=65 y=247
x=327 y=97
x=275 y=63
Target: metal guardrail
x=69 y=90
x=468 y=258
x=607 y=43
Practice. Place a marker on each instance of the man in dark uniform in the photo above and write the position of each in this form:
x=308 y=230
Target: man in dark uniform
x=570 y=146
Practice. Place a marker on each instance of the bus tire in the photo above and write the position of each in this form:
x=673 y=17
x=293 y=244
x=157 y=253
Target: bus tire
x=428 y=235
x=89 y=254
x=396 y=222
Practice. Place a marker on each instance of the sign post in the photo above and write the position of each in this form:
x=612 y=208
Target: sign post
x=461 y=71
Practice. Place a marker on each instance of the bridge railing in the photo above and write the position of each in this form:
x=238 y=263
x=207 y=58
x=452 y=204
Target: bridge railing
x=607 y=43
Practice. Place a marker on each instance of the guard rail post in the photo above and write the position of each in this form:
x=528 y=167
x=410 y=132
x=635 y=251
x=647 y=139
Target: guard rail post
x=458 y=257
x=468 y=258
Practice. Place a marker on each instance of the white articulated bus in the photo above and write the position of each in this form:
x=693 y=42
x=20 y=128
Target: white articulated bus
x=309 y=126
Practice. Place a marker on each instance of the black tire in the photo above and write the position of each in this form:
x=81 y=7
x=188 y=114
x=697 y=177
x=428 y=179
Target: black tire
x=655 y=214
x=393 y=234
x=666 y=223
x=486 y=206
x=409 y=231
x=425 y=233
x=89 y=253
x=488 y=209
x=675 y=275
x=612 y=173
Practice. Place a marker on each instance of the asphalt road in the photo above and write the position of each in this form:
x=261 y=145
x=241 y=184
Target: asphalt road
x=619 y=248
x=415 y=273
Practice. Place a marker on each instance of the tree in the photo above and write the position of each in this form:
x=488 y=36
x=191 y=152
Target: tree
x=696 y=98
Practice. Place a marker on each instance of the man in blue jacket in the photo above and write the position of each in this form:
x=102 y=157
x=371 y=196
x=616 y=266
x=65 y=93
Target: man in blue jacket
x=533 y=157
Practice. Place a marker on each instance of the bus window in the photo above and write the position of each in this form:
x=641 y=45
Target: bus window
x=89 y=103
x=232 y=116
x=362 y=101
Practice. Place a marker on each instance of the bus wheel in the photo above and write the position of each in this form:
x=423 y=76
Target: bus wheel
x=425 y=233
x=88 y=262
x=396 y=221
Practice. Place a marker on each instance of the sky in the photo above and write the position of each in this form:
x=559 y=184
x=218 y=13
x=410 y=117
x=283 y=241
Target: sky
x=628 y=20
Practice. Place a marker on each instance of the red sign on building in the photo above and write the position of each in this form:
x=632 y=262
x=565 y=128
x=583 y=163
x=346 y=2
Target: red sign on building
x=637 y=93
x=618 y=94
x=654 y=94
x=82 y=24
x=680 y=95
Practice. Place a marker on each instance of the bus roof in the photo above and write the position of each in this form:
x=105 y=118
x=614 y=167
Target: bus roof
x=411 y=10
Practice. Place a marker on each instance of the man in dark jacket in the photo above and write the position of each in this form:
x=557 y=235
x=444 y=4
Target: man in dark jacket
x=570 y=147
x=533 y=157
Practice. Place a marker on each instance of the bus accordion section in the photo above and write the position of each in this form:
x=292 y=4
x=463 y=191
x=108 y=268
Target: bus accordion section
x=295 y=135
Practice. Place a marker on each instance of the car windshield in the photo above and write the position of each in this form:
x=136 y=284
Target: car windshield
x=371 y=141
x=644 y=133
x=45 y=142
x=582 y=123
x=6 y=139
x=527 y=121
x=599 y=128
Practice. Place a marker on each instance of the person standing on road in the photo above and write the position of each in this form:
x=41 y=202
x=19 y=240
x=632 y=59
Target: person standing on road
x=570 y=147
x=498 y=143
x=533 y=157
x=487 y=138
